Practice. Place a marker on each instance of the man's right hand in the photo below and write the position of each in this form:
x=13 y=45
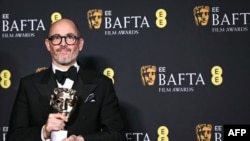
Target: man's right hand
x=55 y=122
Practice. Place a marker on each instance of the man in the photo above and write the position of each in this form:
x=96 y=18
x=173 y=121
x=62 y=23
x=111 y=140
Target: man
x=96 y=116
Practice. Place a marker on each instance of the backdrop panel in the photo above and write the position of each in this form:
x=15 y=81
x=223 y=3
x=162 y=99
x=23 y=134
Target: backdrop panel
x=176 y=65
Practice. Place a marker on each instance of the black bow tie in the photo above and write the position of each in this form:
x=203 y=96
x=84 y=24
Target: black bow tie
x=71 y=73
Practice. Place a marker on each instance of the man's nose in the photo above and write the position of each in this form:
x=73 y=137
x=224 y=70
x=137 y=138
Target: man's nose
x=63 y=42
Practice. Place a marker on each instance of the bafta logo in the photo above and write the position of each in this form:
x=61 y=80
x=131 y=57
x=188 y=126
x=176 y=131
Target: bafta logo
x=94 y=18
x=148 y=75
x=64 y=101
x=204 y=132
x=201 y=15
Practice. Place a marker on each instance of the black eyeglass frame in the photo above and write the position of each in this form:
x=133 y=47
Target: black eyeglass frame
x=65 y=39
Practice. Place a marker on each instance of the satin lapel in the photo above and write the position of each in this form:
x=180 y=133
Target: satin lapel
x=45 y=89
x=82 y=86
x=83 y=90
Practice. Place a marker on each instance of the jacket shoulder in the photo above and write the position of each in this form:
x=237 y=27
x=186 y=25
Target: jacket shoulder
x=93 y=75
x=38 y=74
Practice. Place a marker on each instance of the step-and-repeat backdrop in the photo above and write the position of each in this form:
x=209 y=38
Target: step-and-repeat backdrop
x=180 y=68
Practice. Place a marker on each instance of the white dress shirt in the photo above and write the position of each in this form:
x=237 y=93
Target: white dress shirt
x=67 y=84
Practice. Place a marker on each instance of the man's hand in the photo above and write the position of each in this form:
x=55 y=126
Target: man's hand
x=74 y=138
x=55 y=122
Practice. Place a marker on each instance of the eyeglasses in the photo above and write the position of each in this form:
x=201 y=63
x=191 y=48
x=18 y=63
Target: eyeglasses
x=57 y=39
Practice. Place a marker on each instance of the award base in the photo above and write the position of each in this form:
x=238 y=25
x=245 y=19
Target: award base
x=58 y=135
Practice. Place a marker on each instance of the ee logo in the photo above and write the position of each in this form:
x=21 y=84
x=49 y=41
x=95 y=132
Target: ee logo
x=56 y=16
x=5 y=76
x=161 y=16
x=109 y=72
x=217 y=78
x=163 y=133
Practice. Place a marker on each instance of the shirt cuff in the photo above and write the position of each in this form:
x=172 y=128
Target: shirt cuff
x=42 y=135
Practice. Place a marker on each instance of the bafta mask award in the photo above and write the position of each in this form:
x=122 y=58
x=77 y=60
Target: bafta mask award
x=64 y=101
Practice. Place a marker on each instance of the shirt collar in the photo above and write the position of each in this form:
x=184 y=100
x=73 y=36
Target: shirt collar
x=54 y=67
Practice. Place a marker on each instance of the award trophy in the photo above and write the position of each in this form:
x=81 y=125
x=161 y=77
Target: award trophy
x=63 y=100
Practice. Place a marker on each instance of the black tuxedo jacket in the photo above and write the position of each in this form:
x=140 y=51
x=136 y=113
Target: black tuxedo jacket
x=95 y=119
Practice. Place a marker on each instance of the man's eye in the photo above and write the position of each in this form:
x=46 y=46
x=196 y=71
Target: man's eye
x=70 y=36
x=55 y=37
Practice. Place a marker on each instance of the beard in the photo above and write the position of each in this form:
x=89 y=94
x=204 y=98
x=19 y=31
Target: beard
x=66 y=58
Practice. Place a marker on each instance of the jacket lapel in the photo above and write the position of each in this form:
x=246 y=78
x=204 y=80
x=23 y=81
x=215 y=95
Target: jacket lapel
x=83 y=89
x=45 y=89
x=48 y=83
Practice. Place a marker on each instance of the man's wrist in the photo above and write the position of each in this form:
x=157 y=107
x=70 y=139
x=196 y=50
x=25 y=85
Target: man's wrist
x=45 y=134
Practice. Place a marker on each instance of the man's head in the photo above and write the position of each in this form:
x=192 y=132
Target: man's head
x=64 y=43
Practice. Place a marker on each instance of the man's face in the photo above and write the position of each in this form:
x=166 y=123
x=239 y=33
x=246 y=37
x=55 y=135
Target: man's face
x=64 y=54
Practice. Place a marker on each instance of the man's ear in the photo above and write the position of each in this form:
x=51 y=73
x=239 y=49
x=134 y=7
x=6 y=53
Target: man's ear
x=81 y=44
x=47 y=44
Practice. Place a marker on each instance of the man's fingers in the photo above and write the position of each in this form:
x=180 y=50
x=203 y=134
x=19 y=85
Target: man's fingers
x=56 y=121
x=60 y=116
